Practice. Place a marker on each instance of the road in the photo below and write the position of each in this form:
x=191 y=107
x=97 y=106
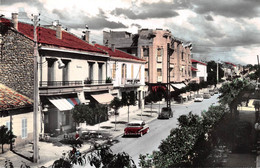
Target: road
x=159 y=130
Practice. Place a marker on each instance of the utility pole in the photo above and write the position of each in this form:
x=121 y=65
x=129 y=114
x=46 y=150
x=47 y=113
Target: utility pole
x=217 y=72
x=36 y=93
x=258 y=68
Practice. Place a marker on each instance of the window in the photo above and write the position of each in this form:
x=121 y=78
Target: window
x=114 y=71
x=24 y=128
x=90 y=72
x=8 y=125
x=51 y=72
x=146 y=52
x=146 y=74
x=124 y=75
x=159 y=72
x=132 y=71
x=100 y=74
x=159 y=52
x=66 y=118
x=182 y=55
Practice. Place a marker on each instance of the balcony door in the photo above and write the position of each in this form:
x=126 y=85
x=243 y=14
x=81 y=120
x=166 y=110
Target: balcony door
x=100 y=72
x=51 y=71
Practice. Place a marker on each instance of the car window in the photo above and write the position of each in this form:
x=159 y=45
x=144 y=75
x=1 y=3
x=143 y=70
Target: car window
x=133 y=124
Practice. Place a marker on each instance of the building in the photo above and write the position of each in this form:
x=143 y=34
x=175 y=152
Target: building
x=127 y=73
x=230 y=70
x=16 y=113
x=71 y=71
x=152 y=46
x=199 y=71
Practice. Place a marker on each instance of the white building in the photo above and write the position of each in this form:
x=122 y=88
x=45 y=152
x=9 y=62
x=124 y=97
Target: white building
x=200 y=72
x=126 y=72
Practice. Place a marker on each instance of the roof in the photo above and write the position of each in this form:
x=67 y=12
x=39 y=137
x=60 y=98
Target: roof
x=10 y=99
x=230 y=63
x=119 y=54
x=195 y=61
x=48 y=36
x=194 y=69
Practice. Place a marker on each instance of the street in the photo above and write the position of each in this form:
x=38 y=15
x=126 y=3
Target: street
x=159 y=130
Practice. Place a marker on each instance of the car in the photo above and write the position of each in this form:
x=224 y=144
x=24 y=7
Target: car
x=138 y=128
x=206 y=96
x=216 y=91
x=211 y=92
x=198 y=98
x=166 y=113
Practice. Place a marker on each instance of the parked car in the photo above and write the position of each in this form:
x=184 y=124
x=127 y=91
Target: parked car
x=166 y=113
x=211 y=92
x=198 y=98
x=216 y=91
x=136 y=128
x=206 y=96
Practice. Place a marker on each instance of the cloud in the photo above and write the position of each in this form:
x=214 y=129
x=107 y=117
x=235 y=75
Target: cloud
x=97 y=22
x=209 y=18
x=147 y=10
x=230 y=8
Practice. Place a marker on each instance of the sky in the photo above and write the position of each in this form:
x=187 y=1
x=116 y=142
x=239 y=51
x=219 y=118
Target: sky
x=222 y=30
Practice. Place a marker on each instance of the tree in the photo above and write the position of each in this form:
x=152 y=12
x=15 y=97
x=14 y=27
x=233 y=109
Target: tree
x=115 y=104
x=230 y=92
x=212 y=72
x=103 y=157
x=128 y=98
x=6 y=136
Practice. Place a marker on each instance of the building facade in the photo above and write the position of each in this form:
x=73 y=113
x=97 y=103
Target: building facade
x=200 y=74
x=152 y=46
x=126 y=72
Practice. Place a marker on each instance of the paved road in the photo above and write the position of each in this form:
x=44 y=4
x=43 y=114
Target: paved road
x=159 y=130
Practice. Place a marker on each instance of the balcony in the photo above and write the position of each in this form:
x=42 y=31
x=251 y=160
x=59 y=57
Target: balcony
x=131 y=83
x=48 y=88
x=97 y=85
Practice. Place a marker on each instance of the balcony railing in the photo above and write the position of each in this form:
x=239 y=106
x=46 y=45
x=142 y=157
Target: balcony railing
x=132 y=81
x=60 y=83
x=96 y=82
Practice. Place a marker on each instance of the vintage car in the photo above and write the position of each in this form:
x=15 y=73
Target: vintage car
x=165 y=113
x=138 y=128
x=206 y=96
x=211 y=92
x=198 y=98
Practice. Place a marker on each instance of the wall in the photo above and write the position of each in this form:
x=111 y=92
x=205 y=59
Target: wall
x=16 y=62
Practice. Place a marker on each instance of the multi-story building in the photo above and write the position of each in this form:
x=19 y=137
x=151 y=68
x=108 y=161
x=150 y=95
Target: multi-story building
x=127 y=73
x=71 y=71
x=230 y=70
x=152 y=46
x=199 y=74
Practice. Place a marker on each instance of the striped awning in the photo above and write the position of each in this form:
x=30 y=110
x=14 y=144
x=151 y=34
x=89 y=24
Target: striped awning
x=64 y=104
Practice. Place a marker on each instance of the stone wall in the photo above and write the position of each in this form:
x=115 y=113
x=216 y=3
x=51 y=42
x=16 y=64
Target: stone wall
x=16 y=62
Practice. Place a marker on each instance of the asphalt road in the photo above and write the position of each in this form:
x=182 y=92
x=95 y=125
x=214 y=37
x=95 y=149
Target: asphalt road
x=159 y=130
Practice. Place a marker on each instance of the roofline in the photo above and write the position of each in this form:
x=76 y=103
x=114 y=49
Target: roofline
x=127 y=59
x=73 y=51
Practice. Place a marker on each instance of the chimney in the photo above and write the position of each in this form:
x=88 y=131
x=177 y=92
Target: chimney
x=87 y=36
x=15 y=20
x=113 y=47
x=58 y=32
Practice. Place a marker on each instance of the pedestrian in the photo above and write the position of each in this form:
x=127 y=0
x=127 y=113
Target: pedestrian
x=77 y=139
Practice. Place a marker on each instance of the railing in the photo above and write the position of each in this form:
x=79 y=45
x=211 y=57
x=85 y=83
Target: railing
x=95 y=82
x=60 y=83
x=132 y=81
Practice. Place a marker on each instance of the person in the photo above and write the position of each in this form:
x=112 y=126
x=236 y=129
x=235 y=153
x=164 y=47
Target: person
x=77 y=139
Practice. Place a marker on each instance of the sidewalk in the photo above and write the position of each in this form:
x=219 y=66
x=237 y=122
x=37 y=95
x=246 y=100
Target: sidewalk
x=49 y=152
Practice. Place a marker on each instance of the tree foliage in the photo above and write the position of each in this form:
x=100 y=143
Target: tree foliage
x=212 y=72
x=129 y=98
x=6 y=136
x=187 y=144
x=103 y=157
x=115 y=104
x=89 y=113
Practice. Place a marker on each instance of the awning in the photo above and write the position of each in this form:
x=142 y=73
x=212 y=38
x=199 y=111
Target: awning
x=178 y=85
x=64 y=104
x=104 y=98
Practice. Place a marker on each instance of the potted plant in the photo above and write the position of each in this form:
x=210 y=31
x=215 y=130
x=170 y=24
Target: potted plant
x=88 y=81
x=109 y=80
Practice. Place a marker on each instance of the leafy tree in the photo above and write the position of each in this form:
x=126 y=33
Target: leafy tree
x=115 y=104
x=103 y=157
x=128 y=98
x=212 y=72
x=229 y=93
x=6 y=136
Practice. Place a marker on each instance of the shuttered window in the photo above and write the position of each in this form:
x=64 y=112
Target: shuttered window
x=24 y=128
